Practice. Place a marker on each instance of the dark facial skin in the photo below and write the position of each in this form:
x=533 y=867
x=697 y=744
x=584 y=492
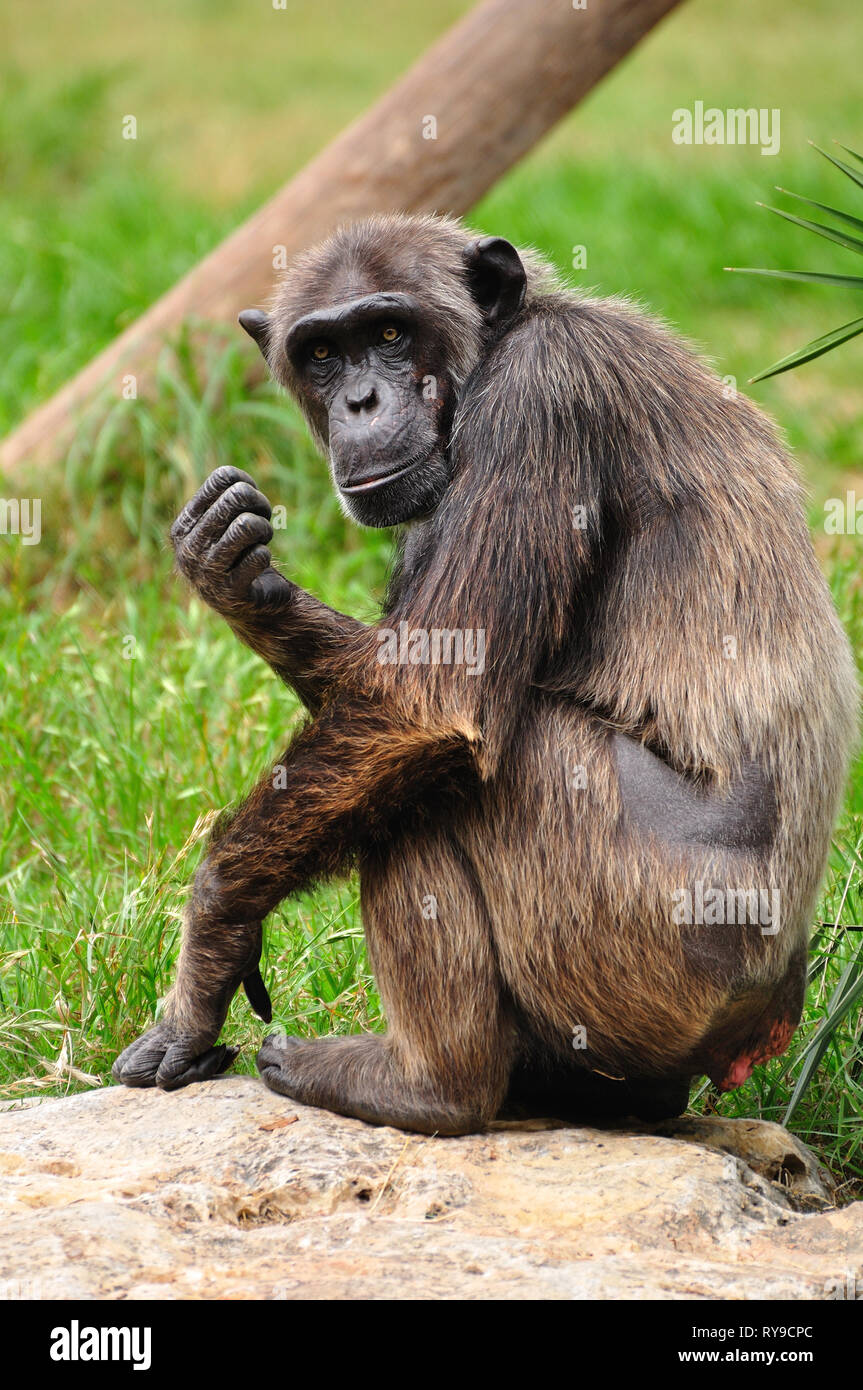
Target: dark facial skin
x=371 y=374
x=367 y=376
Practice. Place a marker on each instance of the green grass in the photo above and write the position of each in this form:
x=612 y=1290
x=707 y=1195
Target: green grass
x=112 y=766
x=121 y=752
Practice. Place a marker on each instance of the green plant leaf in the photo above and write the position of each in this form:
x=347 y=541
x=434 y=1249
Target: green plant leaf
x=854 y=282
x=853 y=154
x=850 y=243
x=841 y=238
x=813 y=349
x=844 y=997
x=824 y=207
x=840 y=164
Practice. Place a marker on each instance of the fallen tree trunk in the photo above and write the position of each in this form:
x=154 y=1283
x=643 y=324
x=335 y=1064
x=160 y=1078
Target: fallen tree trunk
x=477 y=101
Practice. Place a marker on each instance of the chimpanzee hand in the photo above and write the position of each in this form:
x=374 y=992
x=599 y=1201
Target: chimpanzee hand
x=220 y=540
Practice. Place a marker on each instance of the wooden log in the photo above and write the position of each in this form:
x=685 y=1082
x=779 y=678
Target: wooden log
x=493 y=85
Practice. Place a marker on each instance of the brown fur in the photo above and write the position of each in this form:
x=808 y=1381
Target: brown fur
x=553 y=904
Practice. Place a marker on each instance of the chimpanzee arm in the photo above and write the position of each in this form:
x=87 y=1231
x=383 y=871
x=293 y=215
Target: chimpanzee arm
x=505 y=567
x=220 y=540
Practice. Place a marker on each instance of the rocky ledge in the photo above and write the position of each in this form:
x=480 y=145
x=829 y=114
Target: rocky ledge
x=226 y=1190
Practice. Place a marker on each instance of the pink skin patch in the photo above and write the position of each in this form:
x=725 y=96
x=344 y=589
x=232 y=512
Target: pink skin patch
x=740 y=1069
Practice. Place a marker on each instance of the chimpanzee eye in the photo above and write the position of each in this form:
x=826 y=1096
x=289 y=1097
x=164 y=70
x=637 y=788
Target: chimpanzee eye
x=390 y=333
x=321 y=351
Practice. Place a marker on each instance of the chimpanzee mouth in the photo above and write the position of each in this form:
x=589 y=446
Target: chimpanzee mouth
x=376 y=480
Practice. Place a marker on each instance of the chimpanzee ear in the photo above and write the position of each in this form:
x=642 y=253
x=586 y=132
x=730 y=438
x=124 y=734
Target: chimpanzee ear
x=257 y=325
x=496 y=278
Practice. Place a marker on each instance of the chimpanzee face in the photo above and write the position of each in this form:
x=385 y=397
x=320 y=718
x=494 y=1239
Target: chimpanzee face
x=372 y=372
x=368 y=373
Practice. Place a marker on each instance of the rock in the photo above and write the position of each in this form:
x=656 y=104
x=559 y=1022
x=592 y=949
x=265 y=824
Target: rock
x=226 y=1190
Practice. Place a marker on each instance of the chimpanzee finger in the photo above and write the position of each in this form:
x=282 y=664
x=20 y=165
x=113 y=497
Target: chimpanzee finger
x=218 y=482
x=274 y=1059
x=179 y=1069
x=138 y=1064
x=270 y=587
x=244 y=532
x=258 y=996
x=239 y=498
x=249 y=567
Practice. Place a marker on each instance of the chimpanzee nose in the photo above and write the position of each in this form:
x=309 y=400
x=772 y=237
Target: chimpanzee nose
x=361 y=398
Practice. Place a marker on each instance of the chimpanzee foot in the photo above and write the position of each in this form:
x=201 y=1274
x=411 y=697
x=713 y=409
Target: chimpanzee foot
x=168 y=1058
x=359 y=1076
x=274 y=1063
x=183 y=1047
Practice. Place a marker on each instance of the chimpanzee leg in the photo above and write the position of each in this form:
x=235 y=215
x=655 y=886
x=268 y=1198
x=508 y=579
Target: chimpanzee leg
x=444 y=1064
x=234 y=889
x=335 y=790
